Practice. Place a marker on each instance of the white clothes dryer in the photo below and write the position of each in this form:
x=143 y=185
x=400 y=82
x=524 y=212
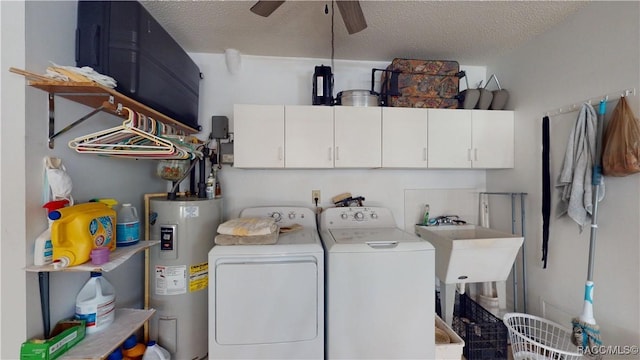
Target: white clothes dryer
x=267 y=301
x=380 y=287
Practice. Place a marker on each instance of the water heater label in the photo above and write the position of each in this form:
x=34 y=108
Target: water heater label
x=171 y=280
x=198 y=277
x=190 y=211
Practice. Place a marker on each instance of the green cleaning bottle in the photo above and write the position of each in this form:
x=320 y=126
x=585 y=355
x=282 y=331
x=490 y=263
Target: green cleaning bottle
x=425 y=219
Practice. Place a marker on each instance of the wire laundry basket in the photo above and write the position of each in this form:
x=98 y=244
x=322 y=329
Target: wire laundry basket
x=535 y=338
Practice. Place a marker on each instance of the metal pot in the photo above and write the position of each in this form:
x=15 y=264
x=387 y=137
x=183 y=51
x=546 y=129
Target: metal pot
x=358 y=98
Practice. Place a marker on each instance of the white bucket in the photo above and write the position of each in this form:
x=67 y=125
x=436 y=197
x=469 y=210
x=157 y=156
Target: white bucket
x=95 y=303
x=490 y=303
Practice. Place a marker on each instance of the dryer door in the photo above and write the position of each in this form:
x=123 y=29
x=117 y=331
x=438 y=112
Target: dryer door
x=266 y=300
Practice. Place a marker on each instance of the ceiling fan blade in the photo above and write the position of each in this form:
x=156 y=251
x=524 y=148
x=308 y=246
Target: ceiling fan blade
x=352 y=15
x=265 y=7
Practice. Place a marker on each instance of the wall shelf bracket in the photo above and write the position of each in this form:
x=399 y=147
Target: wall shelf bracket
x=52 y=121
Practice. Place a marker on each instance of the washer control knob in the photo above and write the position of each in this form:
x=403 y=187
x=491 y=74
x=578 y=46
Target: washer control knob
x=344 y=216
x=359 y=216
x=292 y=215
x=276 y=216
x=374 y=215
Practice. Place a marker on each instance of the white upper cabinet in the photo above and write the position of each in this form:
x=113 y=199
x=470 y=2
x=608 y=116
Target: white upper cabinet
x=322 y=137
x=308 y=136
x=258 y=132
x=470 y=139
x=404 y=137
x=357 y=136
x=493 y=139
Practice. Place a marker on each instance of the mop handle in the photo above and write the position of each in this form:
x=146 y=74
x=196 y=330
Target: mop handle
x=596 y=176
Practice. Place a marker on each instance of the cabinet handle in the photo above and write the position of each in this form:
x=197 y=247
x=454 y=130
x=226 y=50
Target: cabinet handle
x=469 y=154
x=330 y=158
x=337 y=153
x=279 y=152
x=424 y=154
x=475 y=154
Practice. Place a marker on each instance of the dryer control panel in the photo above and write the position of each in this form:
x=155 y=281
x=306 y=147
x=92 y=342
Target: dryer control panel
x=283 y=215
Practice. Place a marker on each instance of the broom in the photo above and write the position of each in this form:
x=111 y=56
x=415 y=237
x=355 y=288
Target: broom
x=586 y=333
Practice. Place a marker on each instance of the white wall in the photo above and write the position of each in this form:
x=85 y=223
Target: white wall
x=272 y=80
x=12 y=189
x=592 y=53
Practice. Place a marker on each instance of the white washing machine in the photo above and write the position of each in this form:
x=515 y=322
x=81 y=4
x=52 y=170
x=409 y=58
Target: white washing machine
x=380 y=287
x=267 y=301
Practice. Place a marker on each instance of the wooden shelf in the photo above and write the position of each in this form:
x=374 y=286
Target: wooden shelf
x=95 y=95
x=99 y=345
x=117 y=257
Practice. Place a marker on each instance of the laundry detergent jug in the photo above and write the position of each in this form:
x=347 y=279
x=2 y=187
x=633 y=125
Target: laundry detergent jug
x=78 y=229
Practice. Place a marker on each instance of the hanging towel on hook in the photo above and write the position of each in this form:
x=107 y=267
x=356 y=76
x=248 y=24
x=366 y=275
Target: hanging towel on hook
x=575 y=177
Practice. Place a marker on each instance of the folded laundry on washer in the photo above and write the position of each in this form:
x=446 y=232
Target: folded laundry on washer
x=269 y=239
x=248 y=226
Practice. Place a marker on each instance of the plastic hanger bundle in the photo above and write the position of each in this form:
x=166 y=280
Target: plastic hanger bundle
x=138 y=137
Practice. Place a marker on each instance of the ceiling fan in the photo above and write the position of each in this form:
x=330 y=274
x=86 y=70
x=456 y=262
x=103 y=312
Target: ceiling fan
x=350 y=11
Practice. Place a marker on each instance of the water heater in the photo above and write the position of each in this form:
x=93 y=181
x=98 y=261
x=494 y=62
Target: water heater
x=179 y=273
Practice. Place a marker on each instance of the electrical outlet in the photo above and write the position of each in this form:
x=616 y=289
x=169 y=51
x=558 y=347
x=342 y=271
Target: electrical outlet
x=315 y=194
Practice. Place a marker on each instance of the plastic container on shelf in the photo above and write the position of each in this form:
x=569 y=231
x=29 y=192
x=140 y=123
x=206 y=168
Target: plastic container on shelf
x=116 y=355
x=95 y=303
x=211 y=184
x=172 y=170
x=78 y=229
x=127 y=226
x=100 y=256
x=155 y=352
x=132 y=349
x=43 y=252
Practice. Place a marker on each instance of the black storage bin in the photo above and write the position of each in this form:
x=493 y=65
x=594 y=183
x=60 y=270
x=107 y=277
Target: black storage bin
x=485 y=336
x=122 y=40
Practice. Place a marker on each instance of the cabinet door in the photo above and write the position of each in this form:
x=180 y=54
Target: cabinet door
x=258 y=132
x=449 y=138
x=493 y=139
x=357 y=136
x=308 y=136
x=404 y=137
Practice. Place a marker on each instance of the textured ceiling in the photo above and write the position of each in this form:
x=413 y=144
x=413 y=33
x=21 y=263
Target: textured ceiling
x=471 y=32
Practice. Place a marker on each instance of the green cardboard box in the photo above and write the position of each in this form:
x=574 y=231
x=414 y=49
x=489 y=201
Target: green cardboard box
x=65 y=335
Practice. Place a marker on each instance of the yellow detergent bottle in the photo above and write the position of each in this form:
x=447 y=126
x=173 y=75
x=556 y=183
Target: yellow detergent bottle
x=79 y=229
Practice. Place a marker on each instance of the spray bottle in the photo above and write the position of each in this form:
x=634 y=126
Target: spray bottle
x=43 y=253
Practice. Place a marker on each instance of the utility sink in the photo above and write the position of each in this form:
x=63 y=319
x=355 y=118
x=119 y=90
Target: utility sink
x=471 y=253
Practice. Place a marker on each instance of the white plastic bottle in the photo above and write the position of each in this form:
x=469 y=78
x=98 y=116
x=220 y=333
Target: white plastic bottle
x=95 y=303
x=210 y=189
x=127 y=226
x=155 y=352
x=43 y=252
